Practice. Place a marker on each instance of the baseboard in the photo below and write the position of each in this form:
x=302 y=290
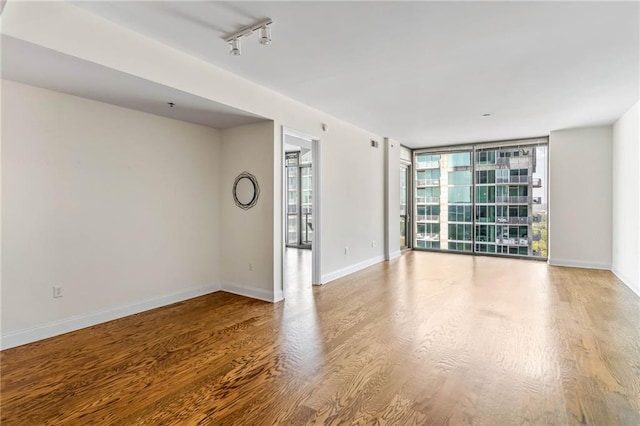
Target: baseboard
x=394 y=255
x=628 y=282
x=278 y=296
x=56 y=328
x=351 y=269
x=252 y=292
x=579 y=264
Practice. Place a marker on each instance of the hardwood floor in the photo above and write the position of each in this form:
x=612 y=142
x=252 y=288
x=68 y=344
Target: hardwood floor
x=425 y=339
x=297 y=268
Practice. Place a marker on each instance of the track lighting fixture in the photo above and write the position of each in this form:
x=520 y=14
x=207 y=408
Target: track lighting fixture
x=265 y=36
x=235 y=47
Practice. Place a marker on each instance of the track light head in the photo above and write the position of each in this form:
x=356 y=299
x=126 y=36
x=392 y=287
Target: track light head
x=235 y=47
x=265 y=35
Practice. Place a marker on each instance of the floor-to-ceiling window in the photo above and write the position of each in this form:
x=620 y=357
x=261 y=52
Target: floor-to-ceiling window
x=405 y=217
x=299 y=199
x=482 y=198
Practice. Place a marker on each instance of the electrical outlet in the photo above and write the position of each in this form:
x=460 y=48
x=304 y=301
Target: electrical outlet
x=57 y=291
x=346 y=250
x=373 y=243
x=251 y=266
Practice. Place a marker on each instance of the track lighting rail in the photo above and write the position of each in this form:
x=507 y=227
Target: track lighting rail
x=247 y=31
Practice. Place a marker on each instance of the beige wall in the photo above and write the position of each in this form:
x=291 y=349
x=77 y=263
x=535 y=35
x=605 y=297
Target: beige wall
x=626 y=195
x=247 y=235
x=580 y=182
x=116 y=206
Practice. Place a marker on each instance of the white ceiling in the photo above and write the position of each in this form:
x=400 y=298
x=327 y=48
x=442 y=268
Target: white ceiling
x=38 y=66
x=421 y=72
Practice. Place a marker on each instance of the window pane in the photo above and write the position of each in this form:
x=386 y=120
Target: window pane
x=485 y=194
x=460 y=159
x=460 y=178
x=486 y=214
x=459 y=194
x=523 y=211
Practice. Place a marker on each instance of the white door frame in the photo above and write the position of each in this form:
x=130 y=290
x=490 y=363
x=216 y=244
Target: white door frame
x=315 y=208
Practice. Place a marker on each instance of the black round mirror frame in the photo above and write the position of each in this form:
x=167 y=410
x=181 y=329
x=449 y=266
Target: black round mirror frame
x=256 y=190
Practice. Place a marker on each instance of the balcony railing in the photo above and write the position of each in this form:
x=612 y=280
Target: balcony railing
x=427 y=200
x=428 y=217
x=428 y=236
x=521 y=162
x=428 y=164
x=513 y=179
x=514 y=220
x=427 y=182
x=513 y=199
x=512 y=241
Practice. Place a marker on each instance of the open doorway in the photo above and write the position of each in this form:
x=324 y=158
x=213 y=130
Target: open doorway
x=300 y=211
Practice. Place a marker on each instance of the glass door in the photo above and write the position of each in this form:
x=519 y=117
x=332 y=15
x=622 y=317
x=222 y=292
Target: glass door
x=292 y=238
x=405 y=217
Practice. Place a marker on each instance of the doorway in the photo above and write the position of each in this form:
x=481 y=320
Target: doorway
x=301 y=224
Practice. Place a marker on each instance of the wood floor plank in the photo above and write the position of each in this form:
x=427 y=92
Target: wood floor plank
x=427 y=338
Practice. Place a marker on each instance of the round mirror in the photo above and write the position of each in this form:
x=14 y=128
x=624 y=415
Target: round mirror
x=246 y=190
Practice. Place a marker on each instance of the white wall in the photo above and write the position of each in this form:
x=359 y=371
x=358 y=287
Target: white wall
x=247 y=235
x=353 y=209
x=118 y=207
x=580 y=181
x=626 y=192
x=352 y=171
